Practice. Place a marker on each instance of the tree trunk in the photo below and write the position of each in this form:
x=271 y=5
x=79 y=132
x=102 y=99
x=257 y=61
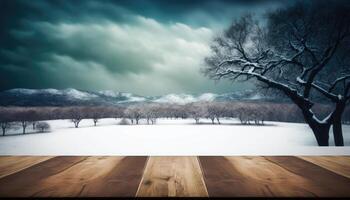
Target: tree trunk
x=212 y=120
x=337 y=126
x=76 y=124
x=338 y=134
x=3 y=131
x=217 y=119
x=319 y=129
x=321 y=132
x=33 y=125
x=24 y=126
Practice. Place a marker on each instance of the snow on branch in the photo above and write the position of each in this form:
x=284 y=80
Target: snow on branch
x=293 y=93
x=334 y=84
x=242 y=62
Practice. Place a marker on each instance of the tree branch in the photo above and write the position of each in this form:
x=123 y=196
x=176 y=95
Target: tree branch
x=317 y=68
x=334 y=84
x=291 y=92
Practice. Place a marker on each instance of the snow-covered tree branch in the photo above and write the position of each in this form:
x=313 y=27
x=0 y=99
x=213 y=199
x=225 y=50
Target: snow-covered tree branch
x=296 y=52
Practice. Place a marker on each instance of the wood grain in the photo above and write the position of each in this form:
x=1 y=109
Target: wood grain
x=26 y=183
x=77 y=176
x=12 y=164
x=110 y=176
x=257 y=177
x=121 y=181
x=75 y=181
x=249 y=176
x=337 y=164
x=332 y=184
x=172 y=177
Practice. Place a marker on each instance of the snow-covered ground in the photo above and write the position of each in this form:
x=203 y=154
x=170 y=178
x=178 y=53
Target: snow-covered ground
x=170 y=137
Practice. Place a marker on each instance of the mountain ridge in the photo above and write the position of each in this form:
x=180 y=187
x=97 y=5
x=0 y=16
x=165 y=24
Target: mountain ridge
x=74 y=97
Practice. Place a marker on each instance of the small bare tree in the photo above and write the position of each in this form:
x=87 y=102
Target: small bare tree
x=5 y=125
x=215 y=110
x=5 y=119
x=196 y=111
x=150 y=112
x=134 y=112
x=76 y=114
x=42 y=126
x=24 y=116
x=96 y=113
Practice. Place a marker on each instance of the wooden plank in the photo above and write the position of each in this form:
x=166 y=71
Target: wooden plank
x=254 y=177
x=26 y=183
x=12 y=164
x=73 y=181
x=172 y=177
x=121 y=181
x=337 y=164
x=333 y=184
x=77 y=176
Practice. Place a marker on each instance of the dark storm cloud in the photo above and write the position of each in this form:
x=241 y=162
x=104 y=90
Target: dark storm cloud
x=142 y=46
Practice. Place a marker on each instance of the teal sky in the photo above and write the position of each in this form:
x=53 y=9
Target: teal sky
x=139 y=46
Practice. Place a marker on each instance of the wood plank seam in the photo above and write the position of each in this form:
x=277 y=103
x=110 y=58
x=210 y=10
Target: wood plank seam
x=69 y=167
x=332 y=183
x=344 y=171
x=281 y=166
x=143 y=176
x=323 y=181
x=16 y=171
x=202 y=175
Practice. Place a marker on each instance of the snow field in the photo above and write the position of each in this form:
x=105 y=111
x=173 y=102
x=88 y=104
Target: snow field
x=170 y=137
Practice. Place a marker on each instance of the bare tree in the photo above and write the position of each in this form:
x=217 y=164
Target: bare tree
x=133 y=112
x=215 y=110
x=76 y=114
x=24 y=116
x=196 y=111
x=42 y=126
x=290 y=54
x=5 y=119
x=4 y=126
x=34 y=116
x=231 y=109
x=243 y=115
x=171 y=111
x=150 y=112
x=258 y=113
x=96 y=113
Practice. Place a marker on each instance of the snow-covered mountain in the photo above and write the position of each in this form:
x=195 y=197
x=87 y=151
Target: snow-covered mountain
x=70 y=97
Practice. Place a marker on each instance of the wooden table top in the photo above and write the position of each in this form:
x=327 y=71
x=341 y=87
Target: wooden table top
x=172 y=176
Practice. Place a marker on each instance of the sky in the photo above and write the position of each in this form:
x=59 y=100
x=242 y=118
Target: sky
x=146 y=47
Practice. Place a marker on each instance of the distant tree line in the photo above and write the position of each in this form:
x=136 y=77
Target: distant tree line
x=247 y=113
